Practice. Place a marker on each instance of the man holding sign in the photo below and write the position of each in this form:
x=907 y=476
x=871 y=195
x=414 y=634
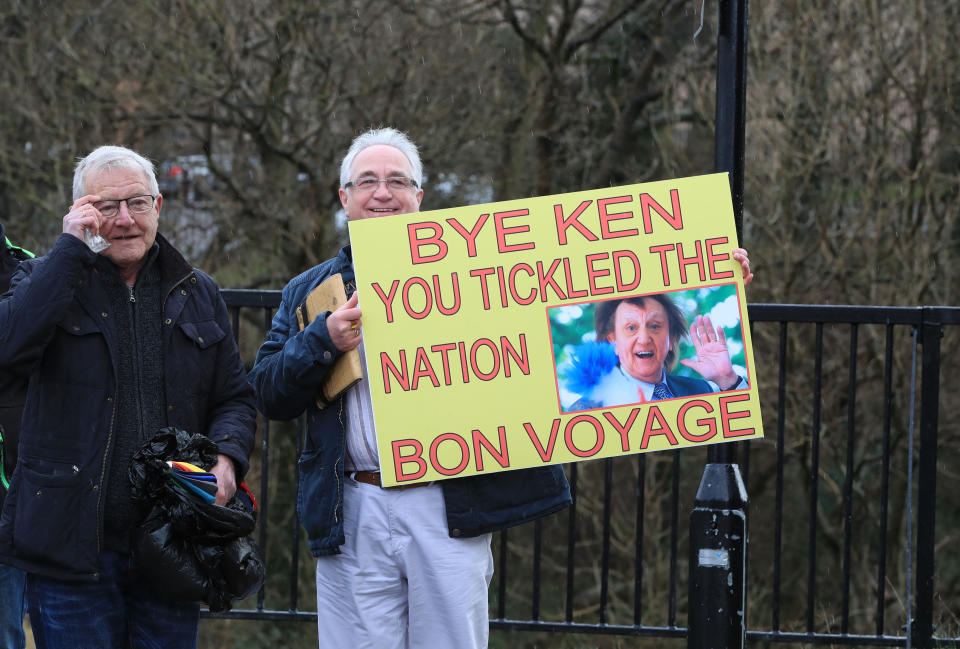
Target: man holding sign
x=397 y=567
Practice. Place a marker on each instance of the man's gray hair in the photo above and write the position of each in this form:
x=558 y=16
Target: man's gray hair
x=390 y=137
x=112 y=157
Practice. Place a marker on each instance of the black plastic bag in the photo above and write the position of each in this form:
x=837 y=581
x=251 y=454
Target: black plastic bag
x=188 y=549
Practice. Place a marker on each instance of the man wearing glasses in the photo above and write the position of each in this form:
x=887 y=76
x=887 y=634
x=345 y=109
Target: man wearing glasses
x=398 y=567
x=120 y=337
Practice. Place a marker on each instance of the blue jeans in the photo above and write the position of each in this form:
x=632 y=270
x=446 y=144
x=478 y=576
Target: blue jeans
x=118 y=612
x=12 y=607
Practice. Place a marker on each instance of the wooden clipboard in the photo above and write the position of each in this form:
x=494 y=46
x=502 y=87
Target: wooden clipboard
x=330 y=295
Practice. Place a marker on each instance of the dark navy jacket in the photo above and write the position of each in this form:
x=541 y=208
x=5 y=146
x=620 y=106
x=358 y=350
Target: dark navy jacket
x=56 y=325
x=286 y=377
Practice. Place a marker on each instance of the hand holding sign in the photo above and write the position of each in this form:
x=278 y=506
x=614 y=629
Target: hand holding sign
x=740 y=255
x=344 y=325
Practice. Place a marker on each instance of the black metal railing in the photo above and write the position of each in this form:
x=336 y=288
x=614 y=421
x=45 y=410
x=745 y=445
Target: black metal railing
x=843 y=495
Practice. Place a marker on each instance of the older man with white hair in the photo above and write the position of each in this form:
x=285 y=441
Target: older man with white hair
x=397 y=567
x=117 y=343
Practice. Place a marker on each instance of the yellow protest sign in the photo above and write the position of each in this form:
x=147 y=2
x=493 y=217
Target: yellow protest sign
x=535 y=331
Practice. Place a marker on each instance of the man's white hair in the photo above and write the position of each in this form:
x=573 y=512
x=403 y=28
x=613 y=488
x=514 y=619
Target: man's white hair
x=112 y=157
x=390 y=137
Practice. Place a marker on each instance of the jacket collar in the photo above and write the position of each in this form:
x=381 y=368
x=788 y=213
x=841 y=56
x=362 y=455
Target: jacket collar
x=173 y=267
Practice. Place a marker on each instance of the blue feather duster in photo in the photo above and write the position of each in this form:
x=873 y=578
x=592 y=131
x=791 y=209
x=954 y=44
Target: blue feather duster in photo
x=590 y=362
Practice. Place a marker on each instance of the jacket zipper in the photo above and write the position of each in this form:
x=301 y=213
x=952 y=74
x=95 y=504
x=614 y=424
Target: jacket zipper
x=103 y=475
x=340 y=456
x=137 y=364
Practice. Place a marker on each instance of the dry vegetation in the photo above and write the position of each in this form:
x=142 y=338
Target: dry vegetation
x=852 y=196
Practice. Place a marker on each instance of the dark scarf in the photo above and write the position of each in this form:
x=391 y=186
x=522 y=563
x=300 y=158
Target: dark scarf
x=141 y=393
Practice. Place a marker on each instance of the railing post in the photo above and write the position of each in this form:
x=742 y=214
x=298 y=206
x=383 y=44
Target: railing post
x=922 y=624
x=718 y=542
x=731 y=108
x=718 y=549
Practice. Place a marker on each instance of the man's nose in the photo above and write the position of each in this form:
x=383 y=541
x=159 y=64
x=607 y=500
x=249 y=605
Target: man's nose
x=123 y=217
x=382 y=192
x=643 y=336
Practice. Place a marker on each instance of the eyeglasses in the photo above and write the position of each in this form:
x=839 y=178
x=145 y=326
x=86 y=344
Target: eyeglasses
x=369 y=184
x=140 y=204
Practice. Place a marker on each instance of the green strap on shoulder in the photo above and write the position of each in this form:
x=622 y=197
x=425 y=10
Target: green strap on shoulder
x=3 y=477
x=23 y=250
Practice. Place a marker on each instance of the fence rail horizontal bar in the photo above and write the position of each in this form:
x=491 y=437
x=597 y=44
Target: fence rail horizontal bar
x=239 y=297
x=759 y=312
x=261 y=615
x=828 y=638
x=852 y=314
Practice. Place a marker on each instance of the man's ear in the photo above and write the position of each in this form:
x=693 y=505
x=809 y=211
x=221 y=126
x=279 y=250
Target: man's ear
x=610 y=337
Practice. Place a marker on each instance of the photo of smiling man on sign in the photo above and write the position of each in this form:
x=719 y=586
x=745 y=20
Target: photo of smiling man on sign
x=634 y=350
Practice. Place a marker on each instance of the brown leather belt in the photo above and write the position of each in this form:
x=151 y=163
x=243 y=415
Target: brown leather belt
x=372 y=477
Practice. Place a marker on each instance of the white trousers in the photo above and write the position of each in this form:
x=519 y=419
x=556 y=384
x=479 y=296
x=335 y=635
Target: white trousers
x=400 y=581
